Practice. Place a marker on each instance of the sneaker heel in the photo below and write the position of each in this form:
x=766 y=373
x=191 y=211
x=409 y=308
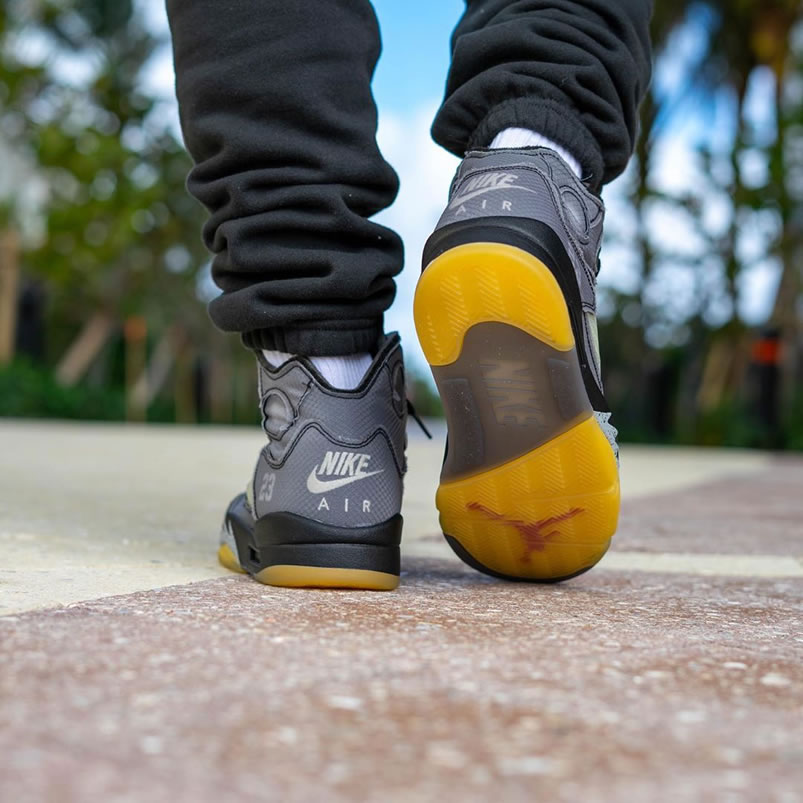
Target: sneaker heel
x=287 y=550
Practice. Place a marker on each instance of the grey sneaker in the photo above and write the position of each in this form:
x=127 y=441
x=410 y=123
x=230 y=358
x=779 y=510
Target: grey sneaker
x=505 y=312
x=323 y=508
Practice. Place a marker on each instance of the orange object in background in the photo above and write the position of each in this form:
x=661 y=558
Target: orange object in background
x=767 y=350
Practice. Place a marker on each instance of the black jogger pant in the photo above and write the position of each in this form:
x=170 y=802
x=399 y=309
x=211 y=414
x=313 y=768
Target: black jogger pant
x=277 y=113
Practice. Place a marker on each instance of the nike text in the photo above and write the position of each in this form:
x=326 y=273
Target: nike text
x=478 y=185
x=343 y=467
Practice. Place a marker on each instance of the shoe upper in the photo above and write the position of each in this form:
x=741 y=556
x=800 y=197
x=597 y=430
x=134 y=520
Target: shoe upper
x=518 y=186
x=533 y=183
x=332 y=456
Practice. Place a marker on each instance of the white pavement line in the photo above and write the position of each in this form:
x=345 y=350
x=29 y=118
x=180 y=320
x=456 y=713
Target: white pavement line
x=705 y=564
x=646 y=470
x=32 y=589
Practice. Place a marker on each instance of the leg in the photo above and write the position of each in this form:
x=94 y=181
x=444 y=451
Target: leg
x=572 y=70
x=277 y=113
x=505 y=309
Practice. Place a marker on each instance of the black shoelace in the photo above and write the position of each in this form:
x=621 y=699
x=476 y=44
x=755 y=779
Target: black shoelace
x=411 y=411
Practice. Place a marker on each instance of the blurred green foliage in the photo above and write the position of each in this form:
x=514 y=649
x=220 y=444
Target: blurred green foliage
x=423 y=395
x=27 y=391
x=113 y=226
x=94 y=180
x=678 y=355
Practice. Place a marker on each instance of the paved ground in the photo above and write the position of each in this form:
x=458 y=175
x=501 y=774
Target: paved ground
x=133 y=668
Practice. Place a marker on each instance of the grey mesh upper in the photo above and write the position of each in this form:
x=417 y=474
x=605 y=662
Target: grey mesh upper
x=332 y=456
x=536 y=183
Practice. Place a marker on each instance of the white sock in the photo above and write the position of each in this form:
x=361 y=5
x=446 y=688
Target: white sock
x=343 y=373
x=524 y=138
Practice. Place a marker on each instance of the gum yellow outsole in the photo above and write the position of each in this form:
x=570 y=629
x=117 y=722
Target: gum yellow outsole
x=487 y=282
x=547 y=515
x=312 y=576
x=228 y=559
x=551 y=513
x=290 y=576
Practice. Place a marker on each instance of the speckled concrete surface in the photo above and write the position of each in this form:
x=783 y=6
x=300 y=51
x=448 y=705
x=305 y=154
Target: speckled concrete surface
x=766 y=507
x=673 y=672
x=612 y=688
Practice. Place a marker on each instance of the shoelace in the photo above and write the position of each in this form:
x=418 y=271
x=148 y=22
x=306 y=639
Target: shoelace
x=411 y=411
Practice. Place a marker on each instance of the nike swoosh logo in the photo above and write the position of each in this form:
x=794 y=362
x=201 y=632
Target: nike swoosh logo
x=461 y=199
x=316 y=486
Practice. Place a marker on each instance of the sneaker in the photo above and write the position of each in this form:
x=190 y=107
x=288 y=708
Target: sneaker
x=323 y=508
x=505 y=312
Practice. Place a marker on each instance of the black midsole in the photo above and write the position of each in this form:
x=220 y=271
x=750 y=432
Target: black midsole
x=288 y=539
x=283 y=529
x=539 y=240
x=332 y=556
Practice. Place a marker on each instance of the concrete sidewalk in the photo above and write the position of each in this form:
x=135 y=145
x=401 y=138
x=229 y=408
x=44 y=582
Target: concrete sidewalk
x=134 y=668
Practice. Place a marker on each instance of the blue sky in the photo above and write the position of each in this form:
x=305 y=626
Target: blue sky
x=415 y=53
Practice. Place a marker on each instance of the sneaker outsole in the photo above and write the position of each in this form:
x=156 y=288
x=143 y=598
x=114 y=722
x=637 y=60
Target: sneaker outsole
x=228 y=559
x=323 y=577
x=548 y=513
x=312 y=576
x=283 y=549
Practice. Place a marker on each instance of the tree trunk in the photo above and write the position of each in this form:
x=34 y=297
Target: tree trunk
x=9 y=283
x=151 y=381
x=220 y=389
x=136 y=334
x=722 y=365
x=183 y=388
x=84 y=349
x=790 y=250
